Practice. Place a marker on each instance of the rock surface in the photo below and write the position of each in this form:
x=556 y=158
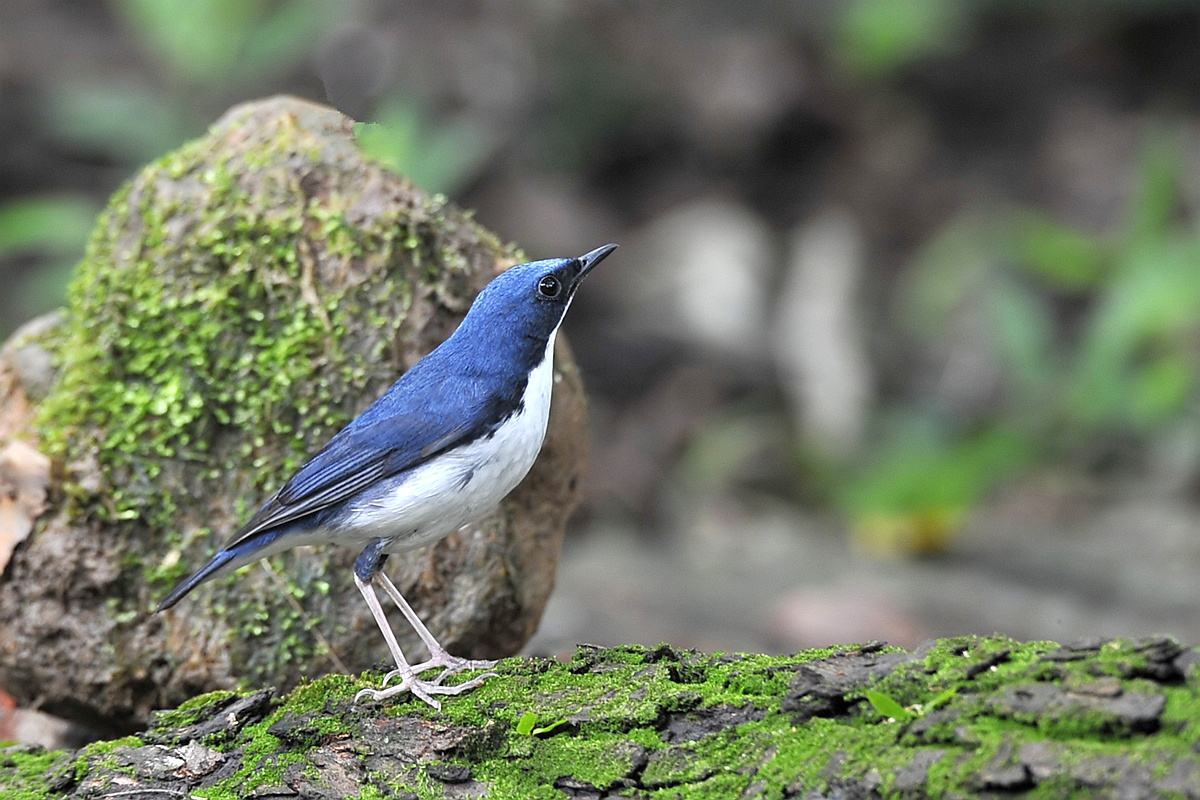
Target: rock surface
x=239 y=301
x=1114 y=719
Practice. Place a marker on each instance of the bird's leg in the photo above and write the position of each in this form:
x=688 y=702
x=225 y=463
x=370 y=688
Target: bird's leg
x=403 y=669
x=365 y=569
x=438 y=656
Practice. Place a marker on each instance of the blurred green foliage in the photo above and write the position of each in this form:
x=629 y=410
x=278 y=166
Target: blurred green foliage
x=124 y=122
x=208 y=51
x=52 y=230
x=205 y=48
x=206 y=42
x=876 y=37
x=1096 y=338
x=921 y=467
x=436 y=157
x=50 y=225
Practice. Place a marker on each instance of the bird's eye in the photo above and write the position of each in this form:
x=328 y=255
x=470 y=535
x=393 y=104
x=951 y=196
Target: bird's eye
x=549 y=286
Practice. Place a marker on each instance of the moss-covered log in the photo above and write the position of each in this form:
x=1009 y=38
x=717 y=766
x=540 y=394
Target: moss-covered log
x=239 y=301
x=959 y=717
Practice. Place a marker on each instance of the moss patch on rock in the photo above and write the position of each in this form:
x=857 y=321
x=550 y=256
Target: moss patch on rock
x=1105 y=717
x=30 y=773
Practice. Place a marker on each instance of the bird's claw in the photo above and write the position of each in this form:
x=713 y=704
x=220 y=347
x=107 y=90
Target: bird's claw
x=422 y=690
x=451 y=665
x=455 y=664
x=417 y=669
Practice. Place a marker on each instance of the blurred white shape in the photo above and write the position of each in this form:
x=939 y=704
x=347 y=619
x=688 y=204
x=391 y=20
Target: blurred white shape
x=26 y=726
x=704 y=275
x=819 y=345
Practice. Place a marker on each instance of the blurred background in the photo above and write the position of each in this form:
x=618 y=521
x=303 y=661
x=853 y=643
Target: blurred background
x=904 y=336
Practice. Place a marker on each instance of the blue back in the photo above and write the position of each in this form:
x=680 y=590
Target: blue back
x=462 y=390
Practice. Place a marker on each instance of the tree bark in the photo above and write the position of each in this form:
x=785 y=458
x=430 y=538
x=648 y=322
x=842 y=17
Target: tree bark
x=240 y=300
x=958 y=717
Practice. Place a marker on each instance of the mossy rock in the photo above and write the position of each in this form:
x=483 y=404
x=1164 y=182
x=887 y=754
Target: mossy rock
x=960 y=717
x=240 y=300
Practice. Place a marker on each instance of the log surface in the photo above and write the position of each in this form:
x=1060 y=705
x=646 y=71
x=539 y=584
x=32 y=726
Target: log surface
x=960 y=717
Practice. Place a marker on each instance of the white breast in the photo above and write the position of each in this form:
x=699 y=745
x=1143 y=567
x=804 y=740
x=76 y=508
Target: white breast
x=461 y=485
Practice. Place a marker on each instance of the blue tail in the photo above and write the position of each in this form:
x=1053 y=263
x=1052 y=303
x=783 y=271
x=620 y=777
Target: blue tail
x=232 y=558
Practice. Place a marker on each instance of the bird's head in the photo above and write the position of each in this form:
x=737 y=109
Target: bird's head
x=531 y=299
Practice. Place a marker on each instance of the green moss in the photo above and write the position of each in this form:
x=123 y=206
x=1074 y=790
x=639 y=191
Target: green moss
x=261 y=762
x=621 y=712
x=613 y=699
x=103 y=755
x=194 y=710
x=600 y=760
x=320 y=694
x=1181 y=717
x=610 y=704
x=26 y=773
x=263 y=765
x=624 y=691
x=167 y=347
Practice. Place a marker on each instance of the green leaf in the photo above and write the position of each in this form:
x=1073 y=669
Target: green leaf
x=1150 y=307
x=886 y=706
x=919 y=467
x=280 y=39
x=1061 y=256
x=880 y=36
x=940 y=699
x=553 y=726
x=1162 y=388
x=525 y=723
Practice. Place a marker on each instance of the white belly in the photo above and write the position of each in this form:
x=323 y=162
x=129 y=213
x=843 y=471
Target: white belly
x=461 y=485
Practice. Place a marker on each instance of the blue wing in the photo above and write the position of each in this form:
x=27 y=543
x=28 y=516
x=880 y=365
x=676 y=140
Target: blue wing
x=399 y=431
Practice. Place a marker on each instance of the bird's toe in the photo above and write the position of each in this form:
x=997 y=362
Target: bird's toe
x=365 y=694
x=423 y=690
x=454 y=664
x=459 y=688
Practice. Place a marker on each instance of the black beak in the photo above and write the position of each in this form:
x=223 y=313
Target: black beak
x=588 y=261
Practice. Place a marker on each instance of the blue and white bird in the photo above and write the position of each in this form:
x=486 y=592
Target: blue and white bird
x=440 y=449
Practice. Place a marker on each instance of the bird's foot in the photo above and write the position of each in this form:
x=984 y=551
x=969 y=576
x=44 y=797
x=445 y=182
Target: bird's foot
x=421 y=689
x=450 y=665
x=454 y=664
x=415 y=669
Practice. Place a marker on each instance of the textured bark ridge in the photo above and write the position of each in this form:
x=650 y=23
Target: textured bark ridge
x=239 y=301
x=959 y=717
